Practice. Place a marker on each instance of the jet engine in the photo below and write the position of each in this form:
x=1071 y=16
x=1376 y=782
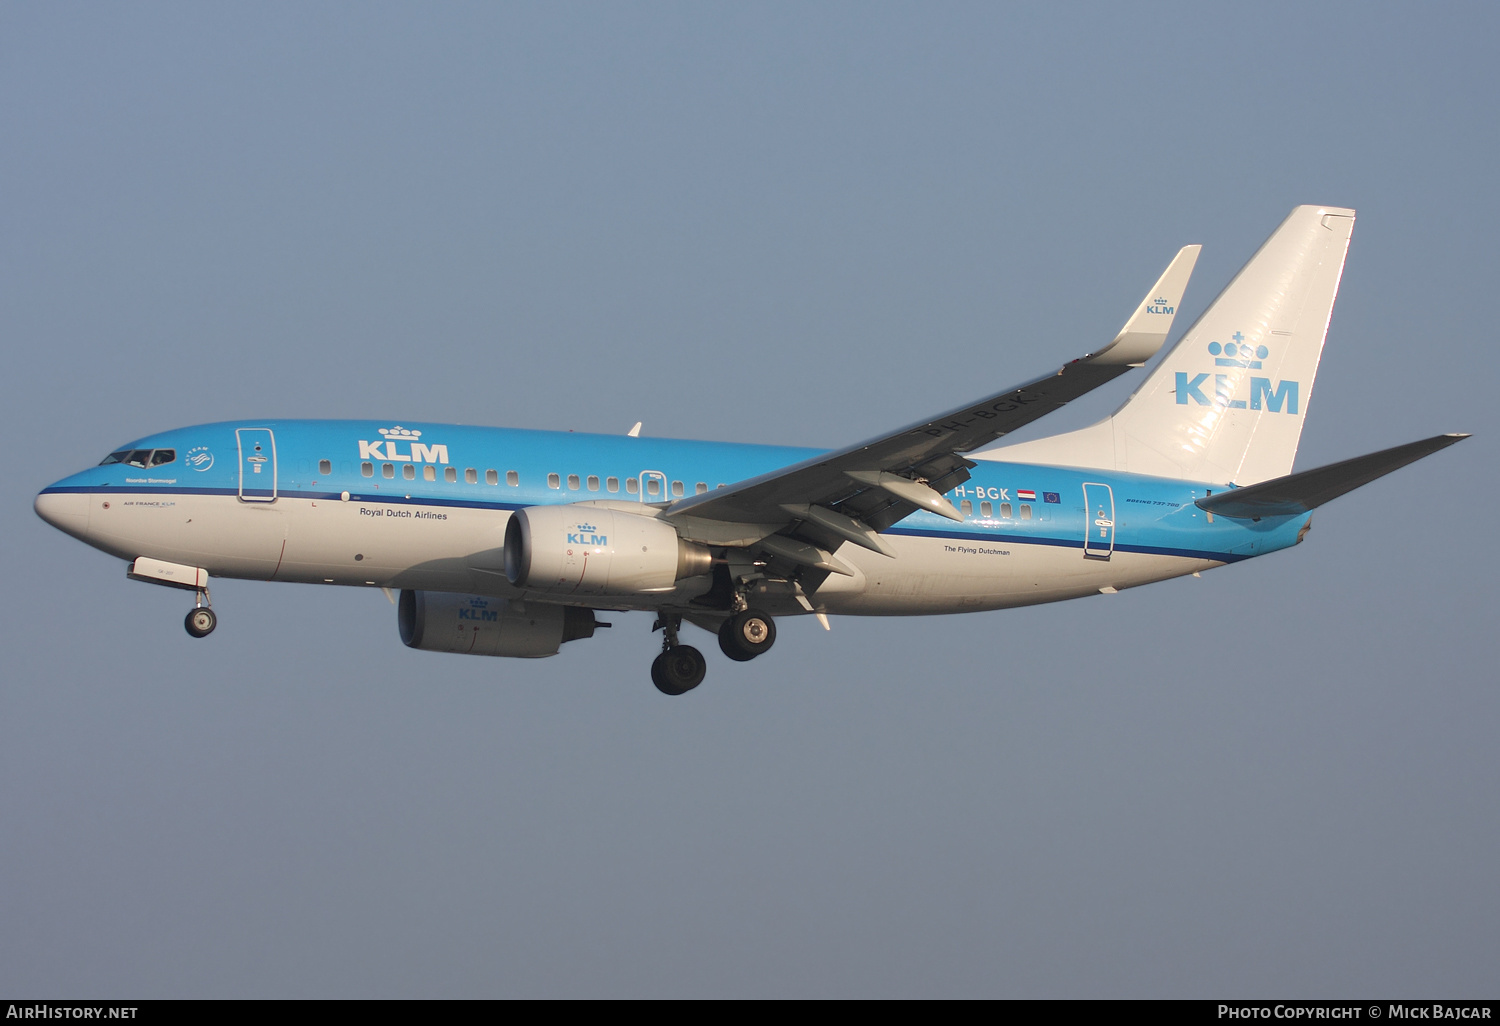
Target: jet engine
x=439 y=621
x=588 y=550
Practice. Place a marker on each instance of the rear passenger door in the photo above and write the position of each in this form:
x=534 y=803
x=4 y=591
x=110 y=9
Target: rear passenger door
x=1099 y=521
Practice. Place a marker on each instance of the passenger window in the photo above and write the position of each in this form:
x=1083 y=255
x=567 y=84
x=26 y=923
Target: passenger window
x=162 y=456
x=367 y=470
x=632 y=485
x=1025 y=511
x=612 y=484
x=653 y=486
x=677 y=488
x=700 y=487
x=387 y=470
x=325 y=467
x=593 y=482
x=553 y=481
x=986 y=510
x=450 y=474
x=429 y=473
x=1005 y=511
x=512 y=478
x=492 y=477
x=966 y=508
x=409 y=472
x=572 y=482
x=471 y=476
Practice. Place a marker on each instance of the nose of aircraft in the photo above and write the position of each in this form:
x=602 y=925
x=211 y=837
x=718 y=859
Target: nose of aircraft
x=66 y=511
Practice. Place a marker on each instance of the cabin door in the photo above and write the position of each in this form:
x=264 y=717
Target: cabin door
x=257 y=464
x=1099 y=521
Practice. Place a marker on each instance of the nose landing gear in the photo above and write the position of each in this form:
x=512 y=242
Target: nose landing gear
x=201 y=621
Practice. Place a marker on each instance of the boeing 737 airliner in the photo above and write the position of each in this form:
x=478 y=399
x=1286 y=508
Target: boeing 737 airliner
x=508 y=542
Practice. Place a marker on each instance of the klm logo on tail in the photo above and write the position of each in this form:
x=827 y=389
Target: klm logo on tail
x=1161 y=307
x=1280 y=397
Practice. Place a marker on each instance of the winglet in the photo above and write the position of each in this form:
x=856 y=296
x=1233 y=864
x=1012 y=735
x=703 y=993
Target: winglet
x=635 y=432
x=1148 y=327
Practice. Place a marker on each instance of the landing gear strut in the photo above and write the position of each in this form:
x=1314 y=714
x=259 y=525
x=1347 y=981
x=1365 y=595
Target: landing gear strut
x=679 y=668
x=747 y=634
x=201 y=621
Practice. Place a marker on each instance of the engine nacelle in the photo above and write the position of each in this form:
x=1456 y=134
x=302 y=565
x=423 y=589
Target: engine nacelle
x=439 y=621
x=589 y=550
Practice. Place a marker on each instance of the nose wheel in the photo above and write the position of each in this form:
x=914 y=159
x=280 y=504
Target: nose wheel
x=201 y=621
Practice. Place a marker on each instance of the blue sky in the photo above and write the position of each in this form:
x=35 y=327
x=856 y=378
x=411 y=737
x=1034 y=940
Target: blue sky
x=794 y=224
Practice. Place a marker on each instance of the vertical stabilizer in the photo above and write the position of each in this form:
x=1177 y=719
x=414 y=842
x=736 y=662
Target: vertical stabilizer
x=1227 y=403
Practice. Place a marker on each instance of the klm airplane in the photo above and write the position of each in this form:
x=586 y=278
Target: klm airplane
x=509 y=542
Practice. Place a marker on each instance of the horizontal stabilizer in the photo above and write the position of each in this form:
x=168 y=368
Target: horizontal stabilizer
x=1298 y=493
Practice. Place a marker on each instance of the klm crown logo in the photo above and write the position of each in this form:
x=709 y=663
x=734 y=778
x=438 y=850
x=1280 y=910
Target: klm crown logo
x=1264 y=395
x=1160 y=306
x=583 y=534
x=389 y=447
x=1238 y=353
x=479 y=610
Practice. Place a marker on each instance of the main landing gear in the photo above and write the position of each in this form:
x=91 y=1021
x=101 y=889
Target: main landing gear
x=680 y=668
x=747 y=634
x=201 y=621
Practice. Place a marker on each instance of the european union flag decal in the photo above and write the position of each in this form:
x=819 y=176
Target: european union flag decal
x=1051 y=497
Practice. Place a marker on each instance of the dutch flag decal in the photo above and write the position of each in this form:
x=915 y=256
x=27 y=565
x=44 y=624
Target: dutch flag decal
x=1026 y=494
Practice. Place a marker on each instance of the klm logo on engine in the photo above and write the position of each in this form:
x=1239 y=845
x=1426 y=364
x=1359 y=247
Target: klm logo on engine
x=1161 y=307
x=478 y=609
x=389 y=448
x=1273 y=397
x=584 y=535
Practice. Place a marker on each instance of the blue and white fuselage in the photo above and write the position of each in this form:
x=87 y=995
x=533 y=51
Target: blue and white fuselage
x=388 y=521
x=505 y=542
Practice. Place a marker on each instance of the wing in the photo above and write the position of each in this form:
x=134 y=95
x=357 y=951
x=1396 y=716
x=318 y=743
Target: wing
x=803 y=512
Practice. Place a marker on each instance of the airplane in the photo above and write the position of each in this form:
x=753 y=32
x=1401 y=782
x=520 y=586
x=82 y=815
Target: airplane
x=508 y=542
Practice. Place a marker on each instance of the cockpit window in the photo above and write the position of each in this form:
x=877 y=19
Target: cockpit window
x=142 y=458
